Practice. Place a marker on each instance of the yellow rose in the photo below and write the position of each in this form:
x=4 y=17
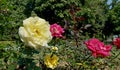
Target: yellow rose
x=35 y=32
x=51 y=61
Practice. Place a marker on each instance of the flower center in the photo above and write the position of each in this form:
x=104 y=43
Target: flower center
x=37 y=31
x=55 y=30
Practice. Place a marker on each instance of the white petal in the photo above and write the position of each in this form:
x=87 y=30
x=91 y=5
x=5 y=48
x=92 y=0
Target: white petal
x=23 y=34
x=31 y=44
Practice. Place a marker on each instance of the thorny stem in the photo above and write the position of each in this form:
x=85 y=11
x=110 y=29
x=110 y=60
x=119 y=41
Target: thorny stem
x=88 y=57
x=75 y=27
x=76 y=38
x=51 y=55
x=115 y=56
x=112 y=52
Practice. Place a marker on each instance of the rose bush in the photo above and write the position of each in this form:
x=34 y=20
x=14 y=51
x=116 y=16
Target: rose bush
x=81 y=20
x=98 y=48
x=35 y=32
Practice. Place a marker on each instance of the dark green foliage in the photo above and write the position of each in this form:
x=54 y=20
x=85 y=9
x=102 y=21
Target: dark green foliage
x=114 y=18
x=11 y=17
x=93 y=18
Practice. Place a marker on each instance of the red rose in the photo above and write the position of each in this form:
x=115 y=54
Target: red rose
x=117 y=42
x=98 y=48
x=56 y=30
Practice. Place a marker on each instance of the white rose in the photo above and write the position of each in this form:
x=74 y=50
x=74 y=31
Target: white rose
x=35 y=32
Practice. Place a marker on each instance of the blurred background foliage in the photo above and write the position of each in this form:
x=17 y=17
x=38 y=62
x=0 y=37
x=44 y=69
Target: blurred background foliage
x=92 y=18
x=81 y=19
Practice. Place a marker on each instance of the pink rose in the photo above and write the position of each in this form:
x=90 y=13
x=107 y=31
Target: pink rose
x=98 y=48
x=117 y=42
x=56 y=30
